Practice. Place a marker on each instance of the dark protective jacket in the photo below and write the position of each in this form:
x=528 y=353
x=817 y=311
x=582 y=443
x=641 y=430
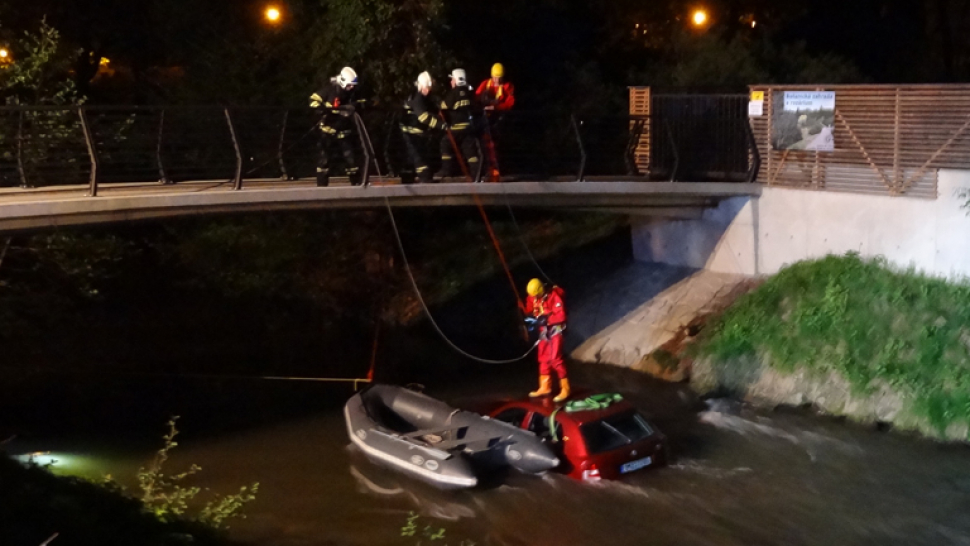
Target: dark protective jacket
x=420 y=115
x=457 y=107
x=336 y=106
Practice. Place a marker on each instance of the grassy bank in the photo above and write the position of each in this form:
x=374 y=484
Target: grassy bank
x=872 y=324
x=35 y=505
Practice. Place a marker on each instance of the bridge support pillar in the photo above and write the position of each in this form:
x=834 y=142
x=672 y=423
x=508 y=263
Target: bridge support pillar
x=761 y=235
x=722 y=239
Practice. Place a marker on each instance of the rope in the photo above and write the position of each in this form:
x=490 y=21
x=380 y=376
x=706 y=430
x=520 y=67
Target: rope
x=518 y=231
x=417 y=290
x=355 y=380
x=424 y=305
x=508 y=205
x=481 y=210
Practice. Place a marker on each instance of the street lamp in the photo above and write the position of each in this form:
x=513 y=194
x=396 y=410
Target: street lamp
x=273 y=14
x=699 y=17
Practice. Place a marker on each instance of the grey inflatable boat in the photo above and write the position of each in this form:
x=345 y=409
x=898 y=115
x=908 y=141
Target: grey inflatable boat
x=429 y=440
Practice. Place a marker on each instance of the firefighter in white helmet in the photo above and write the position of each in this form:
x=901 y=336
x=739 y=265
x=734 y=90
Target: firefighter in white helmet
x=336 y=103
x=457 y=110
x=419 y=120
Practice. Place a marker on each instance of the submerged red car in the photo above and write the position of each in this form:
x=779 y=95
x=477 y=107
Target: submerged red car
x=597 y=437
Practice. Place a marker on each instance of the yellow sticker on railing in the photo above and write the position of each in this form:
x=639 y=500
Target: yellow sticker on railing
x=757 y=95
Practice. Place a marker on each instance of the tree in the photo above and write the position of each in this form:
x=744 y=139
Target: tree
x=39 y=72
x=388 y=42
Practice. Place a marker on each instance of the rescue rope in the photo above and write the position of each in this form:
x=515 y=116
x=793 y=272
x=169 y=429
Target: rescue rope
x=515 y=223
x=355 y=380
x=414 y=283
x=491 y=233
x=521 y=237
x=424 y=305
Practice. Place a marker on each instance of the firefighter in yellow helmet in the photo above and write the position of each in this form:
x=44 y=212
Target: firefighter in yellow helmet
x=496 y=93
x=546 y=310
x=496 y=96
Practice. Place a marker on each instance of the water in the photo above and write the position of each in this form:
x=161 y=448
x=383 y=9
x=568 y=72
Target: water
x=739 y=476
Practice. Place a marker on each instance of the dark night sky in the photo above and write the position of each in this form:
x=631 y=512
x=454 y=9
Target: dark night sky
x=888 y=40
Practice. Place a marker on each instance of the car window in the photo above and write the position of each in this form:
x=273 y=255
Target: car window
x=615 y=431
x=539 y=424
x=512 y=416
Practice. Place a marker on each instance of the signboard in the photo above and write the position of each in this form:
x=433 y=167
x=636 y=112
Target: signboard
x=756 y=106
x=803 y=120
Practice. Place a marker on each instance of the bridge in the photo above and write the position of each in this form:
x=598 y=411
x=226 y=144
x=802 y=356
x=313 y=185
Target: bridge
x=84 y=165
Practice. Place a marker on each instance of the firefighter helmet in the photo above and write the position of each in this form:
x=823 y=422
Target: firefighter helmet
x=424 y=80
x=535 y=288
x=498 y=71
x=347 y=77
x=459 y=76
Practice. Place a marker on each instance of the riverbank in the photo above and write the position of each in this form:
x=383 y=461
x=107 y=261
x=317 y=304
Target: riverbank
x=847 y=336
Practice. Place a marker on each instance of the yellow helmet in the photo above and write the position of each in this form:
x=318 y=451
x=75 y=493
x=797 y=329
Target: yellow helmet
x=498 y=71
x=535 y=288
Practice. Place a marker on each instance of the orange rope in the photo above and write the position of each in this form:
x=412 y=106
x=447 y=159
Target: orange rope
x=373 y=354
x=488 y=224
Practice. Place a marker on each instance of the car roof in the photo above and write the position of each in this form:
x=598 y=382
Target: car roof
x=546 y=406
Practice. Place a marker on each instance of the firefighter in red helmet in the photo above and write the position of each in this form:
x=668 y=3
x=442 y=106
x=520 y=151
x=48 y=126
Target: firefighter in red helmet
x=546 y=310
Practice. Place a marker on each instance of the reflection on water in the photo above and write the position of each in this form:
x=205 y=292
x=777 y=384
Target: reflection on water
x=738 y=477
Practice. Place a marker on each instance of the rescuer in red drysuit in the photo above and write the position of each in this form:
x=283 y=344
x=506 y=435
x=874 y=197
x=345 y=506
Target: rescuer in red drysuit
x=496 y=96
x=547 y=309
x=496 y=93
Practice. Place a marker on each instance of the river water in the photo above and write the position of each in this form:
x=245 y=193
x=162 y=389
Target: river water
x=738 y=476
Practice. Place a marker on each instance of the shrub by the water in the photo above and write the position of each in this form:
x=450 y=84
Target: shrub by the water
x=35 y=504
x=865 y=320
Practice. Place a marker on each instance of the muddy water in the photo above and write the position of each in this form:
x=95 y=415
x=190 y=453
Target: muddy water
x=739 y=477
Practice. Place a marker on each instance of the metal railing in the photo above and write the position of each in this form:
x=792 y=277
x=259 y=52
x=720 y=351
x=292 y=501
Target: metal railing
x=98 y=145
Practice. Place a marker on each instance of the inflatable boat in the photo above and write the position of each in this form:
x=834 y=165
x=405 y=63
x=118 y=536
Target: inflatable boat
x=431 y=441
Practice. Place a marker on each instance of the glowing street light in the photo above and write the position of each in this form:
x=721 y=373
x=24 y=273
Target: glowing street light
x=273 y=14
x=699 y=17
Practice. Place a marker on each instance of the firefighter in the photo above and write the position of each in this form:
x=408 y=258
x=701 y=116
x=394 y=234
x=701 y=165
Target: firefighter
x=457 y=110
x=419 y=120
x=495 y=95
x=336 y=104
x=545 y=310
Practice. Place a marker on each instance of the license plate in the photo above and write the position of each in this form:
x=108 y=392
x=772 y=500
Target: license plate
x=636 y=465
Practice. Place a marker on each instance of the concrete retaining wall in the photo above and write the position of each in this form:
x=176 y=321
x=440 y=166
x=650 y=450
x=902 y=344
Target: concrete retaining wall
x=757 y=236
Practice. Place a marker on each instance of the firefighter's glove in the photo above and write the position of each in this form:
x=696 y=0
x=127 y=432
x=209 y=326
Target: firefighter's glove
x=542 y=321
x=530 y=323
x=346 y=110
x=445 y=127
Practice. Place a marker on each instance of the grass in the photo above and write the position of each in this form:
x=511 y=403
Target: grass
x=35 y=504
x=861 y=318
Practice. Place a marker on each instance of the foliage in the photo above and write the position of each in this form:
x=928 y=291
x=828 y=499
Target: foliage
x=413 y=529
x=165 y=496
x=40 y=70
x=388 y=42
x=719 y=60
x=864 y=320
x=34 y=503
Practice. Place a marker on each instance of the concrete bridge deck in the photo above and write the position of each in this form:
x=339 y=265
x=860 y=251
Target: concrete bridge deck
x=27 y=209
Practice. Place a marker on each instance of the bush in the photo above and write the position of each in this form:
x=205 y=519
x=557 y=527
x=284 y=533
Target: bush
x=865 y=320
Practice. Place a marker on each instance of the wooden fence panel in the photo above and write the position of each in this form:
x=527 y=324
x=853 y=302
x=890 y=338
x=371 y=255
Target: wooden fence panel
x=889 y=139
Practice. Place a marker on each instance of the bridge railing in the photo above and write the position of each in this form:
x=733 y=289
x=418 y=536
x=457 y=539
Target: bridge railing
x=97 y=145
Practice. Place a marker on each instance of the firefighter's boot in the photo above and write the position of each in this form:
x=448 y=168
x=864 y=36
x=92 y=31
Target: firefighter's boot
x=545 y=386
x=563 y=390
